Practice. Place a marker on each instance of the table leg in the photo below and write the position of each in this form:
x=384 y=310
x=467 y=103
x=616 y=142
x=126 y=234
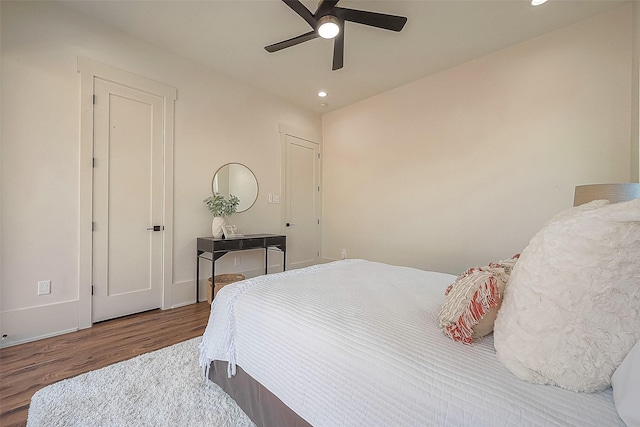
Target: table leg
x=266 y=260
x=198 y=253
x=213 y=275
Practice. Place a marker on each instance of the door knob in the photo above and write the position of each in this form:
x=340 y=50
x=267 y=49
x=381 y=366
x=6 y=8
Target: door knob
x=156 y=228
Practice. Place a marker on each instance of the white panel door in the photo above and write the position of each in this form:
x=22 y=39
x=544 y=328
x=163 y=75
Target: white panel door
x=302 y=210
x=127 y=200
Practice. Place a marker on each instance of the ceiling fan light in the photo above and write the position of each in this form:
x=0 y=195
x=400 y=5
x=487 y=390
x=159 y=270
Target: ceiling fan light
x=537 y=2
x=328 y=27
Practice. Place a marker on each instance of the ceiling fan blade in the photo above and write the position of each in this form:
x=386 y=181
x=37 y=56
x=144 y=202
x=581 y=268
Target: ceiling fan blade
x=301 y=10
x=325 y=7
x=374 y=19
x=291 y=42
x=338 y=49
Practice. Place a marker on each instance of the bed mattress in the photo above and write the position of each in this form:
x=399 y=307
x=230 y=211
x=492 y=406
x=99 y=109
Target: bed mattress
x=357 y=343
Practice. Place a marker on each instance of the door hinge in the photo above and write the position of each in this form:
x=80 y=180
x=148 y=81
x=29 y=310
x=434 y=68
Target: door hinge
x=93 y=162
x=318 y=156
x=92 y=287
x=93 y=226
x=318 y=188
x=318 y=221
x=94 y=100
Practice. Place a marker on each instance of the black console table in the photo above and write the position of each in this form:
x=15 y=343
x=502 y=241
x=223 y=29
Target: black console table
x=220 y=247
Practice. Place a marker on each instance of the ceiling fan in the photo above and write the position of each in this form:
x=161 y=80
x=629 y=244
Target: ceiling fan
x=328 y=22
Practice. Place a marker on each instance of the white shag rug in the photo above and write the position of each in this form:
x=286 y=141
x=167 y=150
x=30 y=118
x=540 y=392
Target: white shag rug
x=162 y=388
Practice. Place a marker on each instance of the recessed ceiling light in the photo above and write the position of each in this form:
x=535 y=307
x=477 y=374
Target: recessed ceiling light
x=322 y=94
x=537 y=2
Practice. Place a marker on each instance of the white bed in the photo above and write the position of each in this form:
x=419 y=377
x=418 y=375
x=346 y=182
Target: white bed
x=357 y=343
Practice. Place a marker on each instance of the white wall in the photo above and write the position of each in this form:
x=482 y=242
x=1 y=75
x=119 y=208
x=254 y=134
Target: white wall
x=217 y=121
x=463 y=167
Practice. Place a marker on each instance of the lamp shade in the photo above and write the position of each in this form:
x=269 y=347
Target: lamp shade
x=614 y=193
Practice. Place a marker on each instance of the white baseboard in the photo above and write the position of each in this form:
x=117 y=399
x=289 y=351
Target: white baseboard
x=35 y=323
x=183 y=304
x=184 y=293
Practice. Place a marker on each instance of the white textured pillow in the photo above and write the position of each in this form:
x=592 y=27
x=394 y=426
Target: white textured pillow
x=626 y=387
x=571 y=312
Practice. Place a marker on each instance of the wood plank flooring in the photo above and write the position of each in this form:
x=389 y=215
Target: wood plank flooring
x=26 y=368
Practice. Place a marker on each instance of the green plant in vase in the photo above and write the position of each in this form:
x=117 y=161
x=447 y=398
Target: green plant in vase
x=220 y=207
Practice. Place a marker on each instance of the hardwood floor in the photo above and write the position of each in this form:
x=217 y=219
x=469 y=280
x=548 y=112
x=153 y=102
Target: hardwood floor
x=26 y=368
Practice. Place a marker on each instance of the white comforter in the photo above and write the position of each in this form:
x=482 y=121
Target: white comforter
x=357 y=343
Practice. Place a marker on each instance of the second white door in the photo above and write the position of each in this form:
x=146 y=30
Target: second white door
x=302 y=212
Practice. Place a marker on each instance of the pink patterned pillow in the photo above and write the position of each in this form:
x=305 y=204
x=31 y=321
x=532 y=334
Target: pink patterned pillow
x=472 y=301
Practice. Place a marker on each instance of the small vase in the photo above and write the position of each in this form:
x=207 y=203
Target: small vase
x=216 y=226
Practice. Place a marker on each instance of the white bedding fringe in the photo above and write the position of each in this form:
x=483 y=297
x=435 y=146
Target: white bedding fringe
x=230 y=329
x=203 y=361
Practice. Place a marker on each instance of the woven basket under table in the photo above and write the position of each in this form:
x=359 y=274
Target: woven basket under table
x=221 y=280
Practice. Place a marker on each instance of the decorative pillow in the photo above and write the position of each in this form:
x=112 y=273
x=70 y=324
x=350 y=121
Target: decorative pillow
x=473 y=300
x=626 y=387
x=572 y=309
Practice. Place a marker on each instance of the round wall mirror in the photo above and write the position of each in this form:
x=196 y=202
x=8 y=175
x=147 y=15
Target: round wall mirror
x=236 y=179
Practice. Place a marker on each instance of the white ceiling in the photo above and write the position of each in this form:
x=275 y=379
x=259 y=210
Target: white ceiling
x=229 y=36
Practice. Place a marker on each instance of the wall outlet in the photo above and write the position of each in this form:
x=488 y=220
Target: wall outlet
x=236 y=261
x=44 y=287
x=270 y=198
x=276 y=199
x=343 y=254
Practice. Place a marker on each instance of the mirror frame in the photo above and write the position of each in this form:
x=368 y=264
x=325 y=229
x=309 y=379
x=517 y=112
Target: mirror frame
x=252 y=174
